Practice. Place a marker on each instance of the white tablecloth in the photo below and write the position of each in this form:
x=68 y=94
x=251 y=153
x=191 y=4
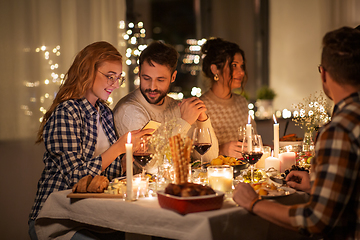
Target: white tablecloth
x=60 y=217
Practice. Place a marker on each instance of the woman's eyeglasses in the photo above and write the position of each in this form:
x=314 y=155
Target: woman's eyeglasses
x=113 y=78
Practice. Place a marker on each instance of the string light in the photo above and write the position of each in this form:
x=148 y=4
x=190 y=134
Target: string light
x=56 y=78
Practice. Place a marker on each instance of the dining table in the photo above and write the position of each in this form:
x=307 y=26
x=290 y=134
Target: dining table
x=60 y=217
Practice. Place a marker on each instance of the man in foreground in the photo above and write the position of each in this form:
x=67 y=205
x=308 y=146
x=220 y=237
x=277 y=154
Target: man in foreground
x=157 y=70
x=333 y=210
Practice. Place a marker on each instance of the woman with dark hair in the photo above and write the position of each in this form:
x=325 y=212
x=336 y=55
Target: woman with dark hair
x=78 y=129
x=224 y=65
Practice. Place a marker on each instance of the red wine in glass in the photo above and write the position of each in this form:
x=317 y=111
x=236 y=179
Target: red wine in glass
x=252 y=157
x=252 y=151
x=142 y=158
x=202 y=141
x=202 y=148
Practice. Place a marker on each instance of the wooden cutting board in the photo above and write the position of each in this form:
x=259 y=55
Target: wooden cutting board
x=94 y=195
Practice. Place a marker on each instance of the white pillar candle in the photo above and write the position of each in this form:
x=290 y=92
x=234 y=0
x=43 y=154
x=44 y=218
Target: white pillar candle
x=287 y=159
x=276 y=138
x=266 y=154
x=272 y=162
x=129 y=168
x=249 y=133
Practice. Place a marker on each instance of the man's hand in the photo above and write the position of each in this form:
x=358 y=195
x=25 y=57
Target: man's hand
x=193 y=109
x=231 y=149
x=304 y=177
x=244 y=194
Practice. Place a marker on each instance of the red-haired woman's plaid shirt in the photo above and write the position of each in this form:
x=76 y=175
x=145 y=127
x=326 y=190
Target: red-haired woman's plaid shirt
x=70 y=136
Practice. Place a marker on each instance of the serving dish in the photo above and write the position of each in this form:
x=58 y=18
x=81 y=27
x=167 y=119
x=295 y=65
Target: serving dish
x=185 y=205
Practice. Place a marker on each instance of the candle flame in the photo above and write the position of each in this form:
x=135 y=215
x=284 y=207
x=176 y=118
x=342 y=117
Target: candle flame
x=129 y=137
x=272 y=153
x=274 y=119
x=249 y=119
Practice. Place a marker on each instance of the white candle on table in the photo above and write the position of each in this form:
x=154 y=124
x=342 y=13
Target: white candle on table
x=129 y=168
x=272 y=162
x=220 y=177
x=249 y=133
x=276 y=138
x=287 y=159
x=266 y=154
x=140 y=186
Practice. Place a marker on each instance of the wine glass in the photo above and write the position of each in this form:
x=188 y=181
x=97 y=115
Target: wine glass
x=241 y=133
x=142 y=155
x=202 y=141
x=252 y=150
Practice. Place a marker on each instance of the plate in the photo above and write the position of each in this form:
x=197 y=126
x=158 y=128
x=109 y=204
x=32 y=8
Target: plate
x=185 y=205
x=286 y=143
x=280 y=192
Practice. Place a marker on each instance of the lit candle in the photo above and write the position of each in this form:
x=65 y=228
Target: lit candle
x=272 y=162
x=287 y=159
x=248 y=133
x=266 y=154
x=140 y=186
x=276 y=137
x=129 y=168
x=220 y=177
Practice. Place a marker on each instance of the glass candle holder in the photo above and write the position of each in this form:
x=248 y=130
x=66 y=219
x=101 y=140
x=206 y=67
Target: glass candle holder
x=220 y=177
x=140 y=186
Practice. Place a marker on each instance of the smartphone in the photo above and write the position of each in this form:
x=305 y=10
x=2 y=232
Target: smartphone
x=152 y=125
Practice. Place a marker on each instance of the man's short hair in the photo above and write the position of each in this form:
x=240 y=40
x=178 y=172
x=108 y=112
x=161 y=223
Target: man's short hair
x=341 y=55
x=160 y=53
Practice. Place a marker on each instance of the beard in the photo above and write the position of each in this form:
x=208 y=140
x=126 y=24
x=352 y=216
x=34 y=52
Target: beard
x=154 y=100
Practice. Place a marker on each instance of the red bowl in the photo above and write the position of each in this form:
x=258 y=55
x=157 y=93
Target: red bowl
x=185 y=205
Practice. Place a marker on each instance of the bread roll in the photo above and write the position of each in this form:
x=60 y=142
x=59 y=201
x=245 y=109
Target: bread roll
x=98 y=184
x=82 y=185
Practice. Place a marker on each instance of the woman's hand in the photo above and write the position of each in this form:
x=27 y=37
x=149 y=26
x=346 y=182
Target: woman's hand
x=244 y=194
x=136 y=136
x=231 y=149
x=303 y=185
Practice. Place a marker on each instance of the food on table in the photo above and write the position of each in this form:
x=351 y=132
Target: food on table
x=116 y=187
x=82 y=185
x=294 y=168
x=180 y=151
x=290 y=137
x=259 y=176
x=263 y=192
x=256 y=186
x=223 y=160
x=188 y=190
x=196 y=164
x=98 y=184
x=89 y=184
x=266 y=189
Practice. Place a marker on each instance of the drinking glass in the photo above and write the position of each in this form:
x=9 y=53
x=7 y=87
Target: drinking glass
x=202 y=141
x=241 y=133
x=252 y=150
x=142 y=156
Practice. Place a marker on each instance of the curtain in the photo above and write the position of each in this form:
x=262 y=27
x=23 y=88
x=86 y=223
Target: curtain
x=39 y=40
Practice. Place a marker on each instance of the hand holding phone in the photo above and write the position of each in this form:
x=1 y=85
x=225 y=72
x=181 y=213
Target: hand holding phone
x=152 y=125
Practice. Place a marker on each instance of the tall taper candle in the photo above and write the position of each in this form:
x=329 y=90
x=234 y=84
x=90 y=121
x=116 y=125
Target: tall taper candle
x=249 y=133
x=129 y=168
x=276 y=138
